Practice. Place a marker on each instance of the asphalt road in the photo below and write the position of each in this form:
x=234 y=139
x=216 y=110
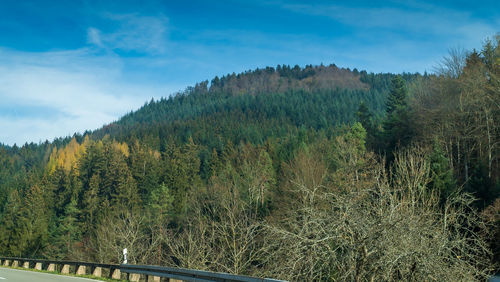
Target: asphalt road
x=16 y=275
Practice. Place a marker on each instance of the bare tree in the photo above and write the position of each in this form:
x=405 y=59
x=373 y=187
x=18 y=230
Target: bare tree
x=453 y=64
x=126 y=230
x=375 y=228
x=193 y=247
x=221 y=234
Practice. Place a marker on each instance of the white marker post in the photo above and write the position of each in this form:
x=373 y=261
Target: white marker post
x=125 y=256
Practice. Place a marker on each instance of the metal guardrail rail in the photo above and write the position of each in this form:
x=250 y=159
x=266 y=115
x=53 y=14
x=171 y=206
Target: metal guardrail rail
x=189 y=274
x=133 y=272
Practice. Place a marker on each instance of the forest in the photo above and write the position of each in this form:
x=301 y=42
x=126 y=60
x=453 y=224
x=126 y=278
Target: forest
x=295 y=173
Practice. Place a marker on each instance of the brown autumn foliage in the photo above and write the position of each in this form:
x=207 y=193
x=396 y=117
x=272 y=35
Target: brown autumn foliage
x=285 y=78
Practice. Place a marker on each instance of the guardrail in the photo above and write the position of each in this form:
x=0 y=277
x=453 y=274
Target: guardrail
x=132 y=272
x=65 y=267
x=188 y=274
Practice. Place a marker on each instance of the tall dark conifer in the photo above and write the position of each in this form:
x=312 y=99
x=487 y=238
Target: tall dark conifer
x=397 y=131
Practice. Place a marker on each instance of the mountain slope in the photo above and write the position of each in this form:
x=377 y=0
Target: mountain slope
x=255 y=105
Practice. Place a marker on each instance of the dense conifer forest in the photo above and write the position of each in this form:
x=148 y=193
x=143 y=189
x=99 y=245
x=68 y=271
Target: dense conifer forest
x=298 y=173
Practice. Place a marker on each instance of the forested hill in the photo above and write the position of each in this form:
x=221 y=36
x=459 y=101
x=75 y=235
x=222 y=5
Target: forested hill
x=302 y=174
x=255 y=105
x=270 y=104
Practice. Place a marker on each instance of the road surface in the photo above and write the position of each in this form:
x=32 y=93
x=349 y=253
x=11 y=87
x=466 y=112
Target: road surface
x=16 y=275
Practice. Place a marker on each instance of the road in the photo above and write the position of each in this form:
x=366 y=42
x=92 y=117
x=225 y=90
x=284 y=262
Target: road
x=16 y=275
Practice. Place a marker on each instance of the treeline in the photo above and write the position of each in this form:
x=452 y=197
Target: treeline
x=377 y=177
x=284 y=78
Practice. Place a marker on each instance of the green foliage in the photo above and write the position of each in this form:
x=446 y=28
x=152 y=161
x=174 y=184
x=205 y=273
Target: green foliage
x=364 y=116
x=66 y=234
x=482 y=186
x=12 y=232
x=442 y=178
x=398 y=95
x=212 y=119
x=35 y=216
x=356 y=137
x=160 y=203
x=397 y=130
x=181 y=174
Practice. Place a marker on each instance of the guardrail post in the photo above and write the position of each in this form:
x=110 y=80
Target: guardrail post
x=81 y=270
x=65 y=269
x=115 y=273
x=26 y=264
x=38 y=266
x=134 y=277
x=97 y=272
x=15 y=263
x=6 y=262
x=150 y=278
x=51 y=267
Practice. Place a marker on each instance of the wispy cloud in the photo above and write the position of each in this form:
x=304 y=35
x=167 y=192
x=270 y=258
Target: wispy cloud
x=94 y=36
x=395 y=36
x=44 y=95
x=418 y=20
x=84 y=91
x=142 y=34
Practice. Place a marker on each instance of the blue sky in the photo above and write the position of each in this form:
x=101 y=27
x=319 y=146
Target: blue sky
x=68 y=66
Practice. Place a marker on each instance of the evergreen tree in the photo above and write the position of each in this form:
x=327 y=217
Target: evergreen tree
x=397 y=96
x=364 y=116
x=145 y=168
x=66 y=234
x=397 y=131
x=120 y=183
x=442 y=178
x=181 y=174
x=91 y=204
x=160 y=204
x=35 y=218
x=12 y=230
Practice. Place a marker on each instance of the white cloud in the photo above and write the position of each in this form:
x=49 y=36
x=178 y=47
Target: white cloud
x=424 y=21
x=402 y=36
x=94 y=36
x=84 y=91
x=144 y=34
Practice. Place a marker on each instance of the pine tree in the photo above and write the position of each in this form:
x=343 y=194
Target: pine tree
x=160 y=203
x=66 y=234
x=118 y=179
x=397 y=131
x=91 y=201
x=442 y=179
x=181 y=174
x=397 y=96
x=364 y=116
x=12 y=231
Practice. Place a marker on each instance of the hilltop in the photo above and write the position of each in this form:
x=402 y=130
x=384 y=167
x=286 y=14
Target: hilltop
x=255 y=105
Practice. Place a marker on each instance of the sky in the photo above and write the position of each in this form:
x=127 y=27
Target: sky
x=71 y=66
